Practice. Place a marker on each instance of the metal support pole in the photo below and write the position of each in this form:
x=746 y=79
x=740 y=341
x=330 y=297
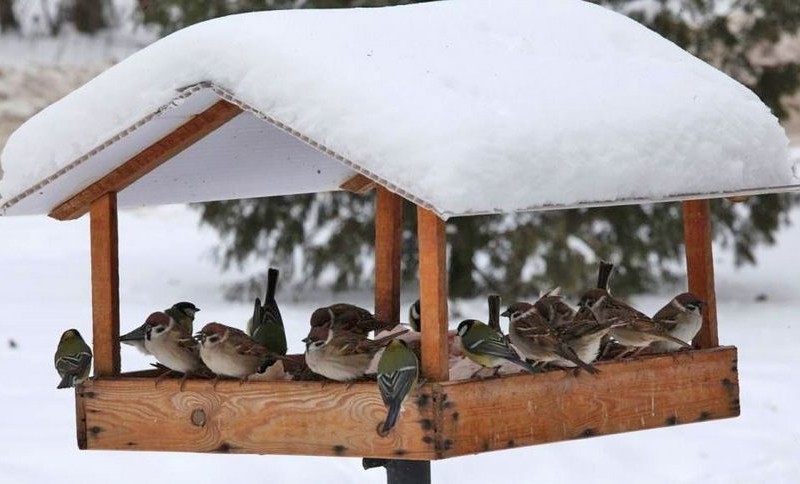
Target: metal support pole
x=402 y=471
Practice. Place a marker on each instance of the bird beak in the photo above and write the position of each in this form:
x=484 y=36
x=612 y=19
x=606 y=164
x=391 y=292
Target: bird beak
x=505 y=314
x=306 y=340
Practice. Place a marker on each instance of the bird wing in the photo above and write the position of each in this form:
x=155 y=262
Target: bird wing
x=494 y=344
x=73 y=364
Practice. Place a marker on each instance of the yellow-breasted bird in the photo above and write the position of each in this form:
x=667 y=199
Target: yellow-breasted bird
x=183 y=314
x=266 y=325
x=487 y=347
x=398 y=371
x=73 y=359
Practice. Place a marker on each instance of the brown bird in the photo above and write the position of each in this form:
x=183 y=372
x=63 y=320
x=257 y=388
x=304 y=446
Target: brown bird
x=682 y=318
x=230 y=352
x=629 y=327
x=342 y=355
x=348 y=317
x=537 y=340
x=172 y=345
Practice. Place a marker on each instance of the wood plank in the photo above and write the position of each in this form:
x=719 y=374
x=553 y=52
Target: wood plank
x=388 y=254
x=433 y=294
x=281 y=417
x=105 y=285
x=359 y=184
x=148 y=159
x=697 y=238
x=80 y=417
x=647 y=392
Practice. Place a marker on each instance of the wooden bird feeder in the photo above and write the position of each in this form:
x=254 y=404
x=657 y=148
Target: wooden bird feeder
x=208 y=142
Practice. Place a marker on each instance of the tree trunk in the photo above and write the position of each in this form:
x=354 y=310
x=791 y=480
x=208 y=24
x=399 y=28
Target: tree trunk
x=8 y=21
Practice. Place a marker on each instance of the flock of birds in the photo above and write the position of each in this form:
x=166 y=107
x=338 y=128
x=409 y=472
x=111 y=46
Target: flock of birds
x=546 y=333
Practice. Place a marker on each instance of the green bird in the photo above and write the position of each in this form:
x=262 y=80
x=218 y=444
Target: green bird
x=487 y=347
x=398 y=371
x=73 y=359
x=183 y=314
x=266 y=325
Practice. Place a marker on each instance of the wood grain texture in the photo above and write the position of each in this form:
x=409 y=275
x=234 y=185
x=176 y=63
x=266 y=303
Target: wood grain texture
x=647 y=392
x=433 y=295
x=148 y=159
x=388 y=254
x=358 y=184
x=80 y=418
x=302 y=418
x=105 y=285
x=697 y=238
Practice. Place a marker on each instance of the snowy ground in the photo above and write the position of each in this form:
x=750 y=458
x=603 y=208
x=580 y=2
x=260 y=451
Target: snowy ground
x=44 y=289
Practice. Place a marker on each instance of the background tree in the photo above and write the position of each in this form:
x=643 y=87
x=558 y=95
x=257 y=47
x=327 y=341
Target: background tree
x=328 y=237
x=8 y=20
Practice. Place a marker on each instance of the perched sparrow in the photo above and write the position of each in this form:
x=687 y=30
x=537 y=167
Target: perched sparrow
x=415 y=316
x=584 y=334
x=172 y=346
x=266 y=325
x=348 y=317
x=553 y=309
x=537 y=340
x=398 y=371
x=230 y=352
x=487 y=347
x=73 y=359
x=182 y=312
x=629 y=327
x=682 y=318
x=342 y=355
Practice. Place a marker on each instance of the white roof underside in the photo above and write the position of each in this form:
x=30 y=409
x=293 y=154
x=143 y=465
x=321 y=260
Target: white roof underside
x=464 y=107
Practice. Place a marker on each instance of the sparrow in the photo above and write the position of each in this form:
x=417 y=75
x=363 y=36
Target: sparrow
x=553 y=309
x=585 y=335
x=182 y=312
x=172 y=345
x=342 y=355
x=398 y=372
x=541 y=342
x=629 y=327
x=415 y=316
x=73 y=359
x=231 y=352
x=266 y=325
x=348 y=317
x=487 y=347
x=682 y=318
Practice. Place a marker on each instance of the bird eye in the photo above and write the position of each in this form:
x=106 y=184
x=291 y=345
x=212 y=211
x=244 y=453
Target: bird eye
x=160 y=329
x=213 y=339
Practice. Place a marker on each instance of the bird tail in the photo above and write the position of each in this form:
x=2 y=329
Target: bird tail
x=669 y=337
x=523 y=364
x=569 y=354
x=272 y=284
x=67 y=381
x=494 y=311
x=391 y=418
x=386 y=339
x=604 y=274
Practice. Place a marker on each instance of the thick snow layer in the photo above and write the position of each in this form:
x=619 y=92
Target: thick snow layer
x=45 y=289
x=467 y=106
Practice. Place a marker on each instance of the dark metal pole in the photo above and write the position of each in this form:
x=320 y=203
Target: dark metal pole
x=402 y=471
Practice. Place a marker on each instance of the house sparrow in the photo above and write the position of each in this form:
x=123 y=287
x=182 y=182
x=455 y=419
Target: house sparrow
x=487 y=347
x=348 y=317
x=537 y=340
x=172 y=345
x=629 y=327
x=552 y=307
x=342 y=355
x=266 y=325
x=415 y=316
x=682 y=318
x=182 y=312
x=73 y=359
x=584 y=334
x=398 y=371
x=230 y=352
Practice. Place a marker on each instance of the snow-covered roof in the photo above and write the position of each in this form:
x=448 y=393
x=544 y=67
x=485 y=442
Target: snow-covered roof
x=463 y=106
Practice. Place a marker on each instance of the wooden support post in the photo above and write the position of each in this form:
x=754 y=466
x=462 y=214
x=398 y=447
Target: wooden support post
x=433 y=294
x=388 y=254
x=697 y=239
x=105 y=285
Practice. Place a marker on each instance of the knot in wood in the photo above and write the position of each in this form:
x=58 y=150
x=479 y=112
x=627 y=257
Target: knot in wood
x=199 y=417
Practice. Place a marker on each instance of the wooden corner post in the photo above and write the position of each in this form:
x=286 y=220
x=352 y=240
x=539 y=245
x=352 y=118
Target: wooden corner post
x=388 y=254
x=433 y=294
x=105 y=285
x=697 y=239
